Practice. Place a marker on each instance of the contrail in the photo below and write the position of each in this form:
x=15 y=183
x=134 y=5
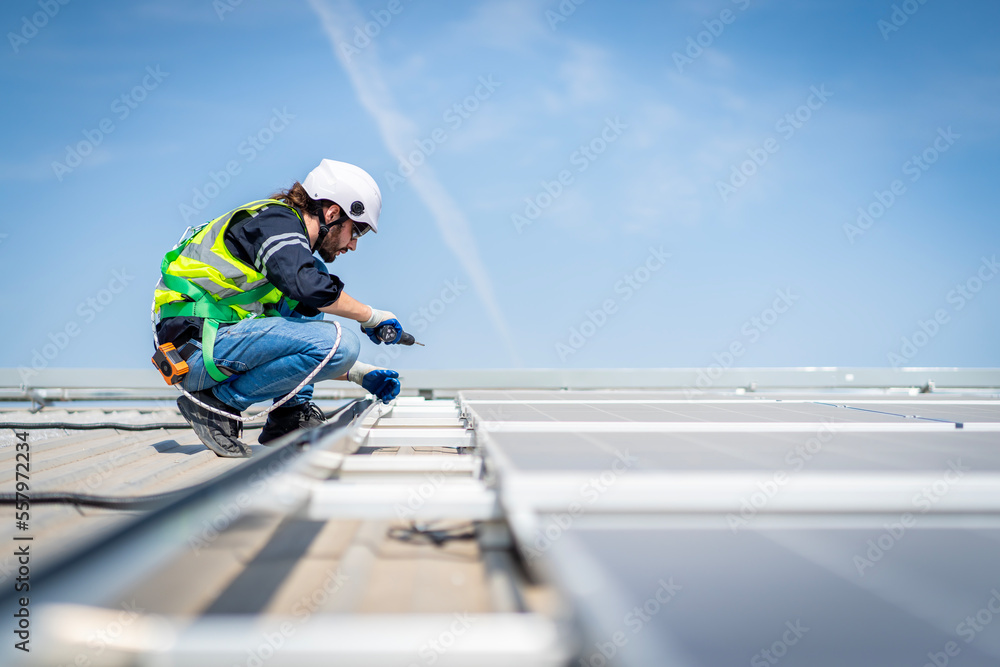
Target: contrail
x=398 y=133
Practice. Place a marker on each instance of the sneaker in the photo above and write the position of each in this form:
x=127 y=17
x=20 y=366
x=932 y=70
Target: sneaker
x=287 y=419
x=218 y=433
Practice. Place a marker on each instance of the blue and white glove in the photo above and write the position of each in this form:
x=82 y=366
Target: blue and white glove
x=379 y=319
x=382 y=382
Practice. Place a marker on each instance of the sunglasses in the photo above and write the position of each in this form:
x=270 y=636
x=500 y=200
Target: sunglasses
x=360 y=229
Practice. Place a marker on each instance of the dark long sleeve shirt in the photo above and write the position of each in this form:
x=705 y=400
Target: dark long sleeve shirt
x=276 y=243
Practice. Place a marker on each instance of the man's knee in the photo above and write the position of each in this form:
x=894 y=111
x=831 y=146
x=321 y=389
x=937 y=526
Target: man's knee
x=350 y=347
x=347 y=352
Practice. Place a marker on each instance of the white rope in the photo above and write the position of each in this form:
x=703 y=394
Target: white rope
x=277 y=405
x=264 y=413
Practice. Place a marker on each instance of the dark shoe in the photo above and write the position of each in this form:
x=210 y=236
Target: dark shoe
x=218 y=433
x=287 y=419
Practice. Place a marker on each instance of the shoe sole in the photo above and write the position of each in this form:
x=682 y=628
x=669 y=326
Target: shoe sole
x=205 y=435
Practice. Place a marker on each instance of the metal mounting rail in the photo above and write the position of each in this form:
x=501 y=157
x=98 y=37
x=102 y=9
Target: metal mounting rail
x=75 y=384
x=100 y=569
x=316 y=481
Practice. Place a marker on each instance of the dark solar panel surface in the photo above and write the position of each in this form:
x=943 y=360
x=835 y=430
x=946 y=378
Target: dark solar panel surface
x=815 y=594
x=795 y=597
x=823 y=451
x=755 y=411
x=966 y=412
x=687 y=395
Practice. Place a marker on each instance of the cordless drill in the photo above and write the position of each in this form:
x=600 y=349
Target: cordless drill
x=387 y=333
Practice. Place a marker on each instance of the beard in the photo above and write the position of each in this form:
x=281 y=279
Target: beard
x=329 y=248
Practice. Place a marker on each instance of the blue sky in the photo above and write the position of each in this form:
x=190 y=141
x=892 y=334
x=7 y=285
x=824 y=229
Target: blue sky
x=583 y=204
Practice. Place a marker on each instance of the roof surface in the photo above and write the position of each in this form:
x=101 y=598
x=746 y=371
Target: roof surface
x=823 y=527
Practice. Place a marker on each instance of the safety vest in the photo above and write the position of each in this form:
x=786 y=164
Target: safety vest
x=201 y=278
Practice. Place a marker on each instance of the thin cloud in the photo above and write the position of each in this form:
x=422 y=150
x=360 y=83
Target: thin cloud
x=397 y=133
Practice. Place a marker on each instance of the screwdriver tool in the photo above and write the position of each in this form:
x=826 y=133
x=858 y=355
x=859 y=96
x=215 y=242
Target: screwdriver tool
x=387 y=334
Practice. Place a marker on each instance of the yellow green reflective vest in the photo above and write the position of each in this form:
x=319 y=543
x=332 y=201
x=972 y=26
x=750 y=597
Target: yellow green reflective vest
x=201 y=278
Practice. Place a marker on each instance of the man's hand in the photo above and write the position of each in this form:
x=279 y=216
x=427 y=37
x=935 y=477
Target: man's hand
x=379 y=319
x=382 y=382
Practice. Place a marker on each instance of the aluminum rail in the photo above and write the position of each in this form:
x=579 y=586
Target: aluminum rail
x=100 y=570
x=69 y=384
x=46 y=395
x=320 y=639
x=73 y=601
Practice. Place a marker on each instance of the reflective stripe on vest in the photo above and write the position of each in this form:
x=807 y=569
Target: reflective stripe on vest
x=201 y=278
x=206 y=262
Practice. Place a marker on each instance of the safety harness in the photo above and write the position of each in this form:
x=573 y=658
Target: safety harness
x=204 y=304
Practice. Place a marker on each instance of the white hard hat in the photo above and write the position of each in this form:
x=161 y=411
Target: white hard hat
x=350 y=187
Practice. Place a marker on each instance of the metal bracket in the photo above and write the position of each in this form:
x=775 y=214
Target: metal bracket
x=39 y=399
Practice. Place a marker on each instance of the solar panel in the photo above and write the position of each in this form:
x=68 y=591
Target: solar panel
x=622 y=409
x=980 y=411
x=726 y=530
x=746 y=411
x=863 y=591
x=762 y=452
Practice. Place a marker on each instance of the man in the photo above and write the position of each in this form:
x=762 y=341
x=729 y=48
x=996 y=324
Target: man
x=242 y=300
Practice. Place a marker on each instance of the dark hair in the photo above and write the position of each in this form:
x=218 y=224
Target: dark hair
x=296 y=196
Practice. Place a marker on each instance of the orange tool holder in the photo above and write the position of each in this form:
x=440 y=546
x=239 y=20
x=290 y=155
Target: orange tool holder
x=168 y=361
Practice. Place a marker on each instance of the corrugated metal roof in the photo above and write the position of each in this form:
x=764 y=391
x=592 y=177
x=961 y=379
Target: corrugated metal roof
x=750 y=507
x=99 y=462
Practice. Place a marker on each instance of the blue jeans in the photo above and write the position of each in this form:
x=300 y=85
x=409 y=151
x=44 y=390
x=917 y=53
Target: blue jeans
x=269 y=356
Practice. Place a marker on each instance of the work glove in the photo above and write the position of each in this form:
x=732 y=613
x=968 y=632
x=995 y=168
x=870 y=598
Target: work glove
x=373 y=326
x=382 y=382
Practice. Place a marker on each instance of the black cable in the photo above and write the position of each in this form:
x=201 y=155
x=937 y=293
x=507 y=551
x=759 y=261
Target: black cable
x=157 y=500
x=96 y=426
x=106 y=502
x=55 y=577
x=437 y=537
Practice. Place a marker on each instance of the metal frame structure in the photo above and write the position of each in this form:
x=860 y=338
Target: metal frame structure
x=526 y=492
x=73 y=384
x=312 y=476
x=514 y=506
x=548 y=516
x=114 y=562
